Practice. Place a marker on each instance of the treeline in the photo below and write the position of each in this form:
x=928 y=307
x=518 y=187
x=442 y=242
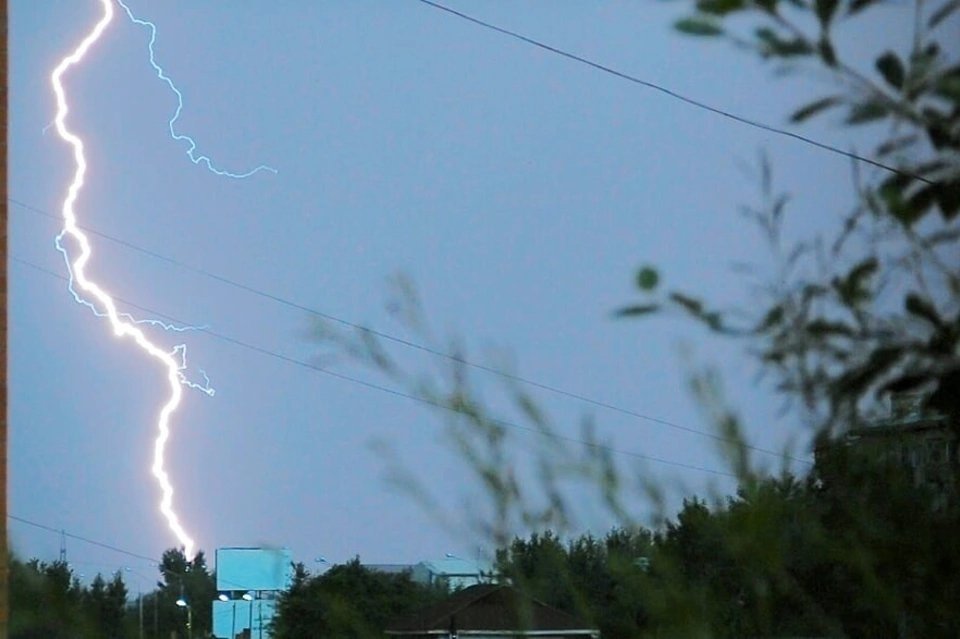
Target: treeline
x=349 y=601
x=868 y=555
x=48 y=601
x=854 y=549
x=849 y=550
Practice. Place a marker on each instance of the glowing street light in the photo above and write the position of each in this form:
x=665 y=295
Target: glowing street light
x=224 y=598
x=183 y=604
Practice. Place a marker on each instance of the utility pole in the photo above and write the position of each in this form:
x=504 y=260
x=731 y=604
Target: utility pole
x=4 y=553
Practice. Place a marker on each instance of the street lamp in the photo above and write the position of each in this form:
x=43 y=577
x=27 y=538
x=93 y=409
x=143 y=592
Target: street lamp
x=248 y=597
x=233 y=628
x=140 y=598
x=183 y=604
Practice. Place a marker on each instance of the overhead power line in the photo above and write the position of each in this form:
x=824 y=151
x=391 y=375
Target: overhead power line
x=397 y=340
x=392 y=391
x=111 y=547
x=87 y=540
x=673 y=94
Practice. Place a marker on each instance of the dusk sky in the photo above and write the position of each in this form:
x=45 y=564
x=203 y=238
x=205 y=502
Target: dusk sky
x=519 y=191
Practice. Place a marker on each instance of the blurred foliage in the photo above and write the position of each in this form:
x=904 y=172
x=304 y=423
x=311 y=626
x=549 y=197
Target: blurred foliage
x=48 y=601
x=834 y=554
x=876 y=308
x=856 y=547
x=348 y=601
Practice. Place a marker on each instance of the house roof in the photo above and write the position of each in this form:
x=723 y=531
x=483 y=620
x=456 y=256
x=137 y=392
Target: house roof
x=491 y=608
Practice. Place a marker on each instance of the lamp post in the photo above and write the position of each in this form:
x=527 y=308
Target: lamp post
x=183 y=604
x=233 y=625
x=140 y=598
x=321 y=561
x=248 y=597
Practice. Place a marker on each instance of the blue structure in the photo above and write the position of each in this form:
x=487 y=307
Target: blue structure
x=457 y=573
x=249 y=580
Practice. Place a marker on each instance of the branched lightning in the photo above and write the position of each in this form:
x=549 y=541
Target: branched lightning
x=92 y=295
x=174 y=361
x=180 y=137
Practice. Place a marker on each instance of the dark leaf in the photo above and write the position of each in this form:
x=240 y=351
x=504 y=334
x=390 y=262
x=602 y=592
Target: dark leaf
x=774 y=316
x=699 y=26
x=919 y=203
x=948 y=85
x=891 y=68
x=905 y=384
x=713 y=320
x=940 y=136
x=921 y=64
x=637 y=310
x=910 y=209
x=923 y=308
x=942 y=236
x=943 y=12
x=855 y=381
x=815 y=107
x=863 y=270
x=811 y=291
x=648 y=278
x=774 y=357
x=896 y=144
x=825 y=47
x=823 y=328
x=891 y=191
x=720 y=7
x=859 y=5
x=948 y=197
x=826 y=9
x=774 y=45
x=946 y=399
x=692 y=305
x=867 y=112
x=852 y=289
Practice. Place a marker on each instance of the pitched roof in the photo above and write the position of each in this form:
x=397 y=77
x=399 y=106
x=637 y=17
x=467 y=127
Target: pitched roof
x=491 y=607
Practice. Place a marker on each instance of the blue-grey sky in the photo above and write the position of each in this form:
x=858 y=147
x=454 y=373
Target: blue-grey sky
x=520 y=192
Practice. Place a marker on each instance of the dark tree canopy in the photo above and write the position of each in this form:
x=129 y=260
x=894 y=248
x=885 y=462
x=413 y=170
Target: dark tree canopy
x=348 y=601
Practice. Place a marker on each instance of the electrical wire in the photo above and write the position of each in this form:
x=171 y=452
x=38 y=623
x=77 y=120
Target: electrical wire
x=392 y=391
x=86 y=540
x=113 y=548
x=405 y=342
x=675 y=95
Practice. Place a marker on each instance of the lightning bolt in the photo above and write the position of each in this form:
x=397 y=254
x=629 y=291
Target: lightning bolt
x=95 y=297
x=179 y=137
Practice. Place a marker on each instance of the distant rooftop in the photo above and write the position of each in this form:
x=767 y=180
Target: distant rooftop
x=490 y=609
x=456 y=566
